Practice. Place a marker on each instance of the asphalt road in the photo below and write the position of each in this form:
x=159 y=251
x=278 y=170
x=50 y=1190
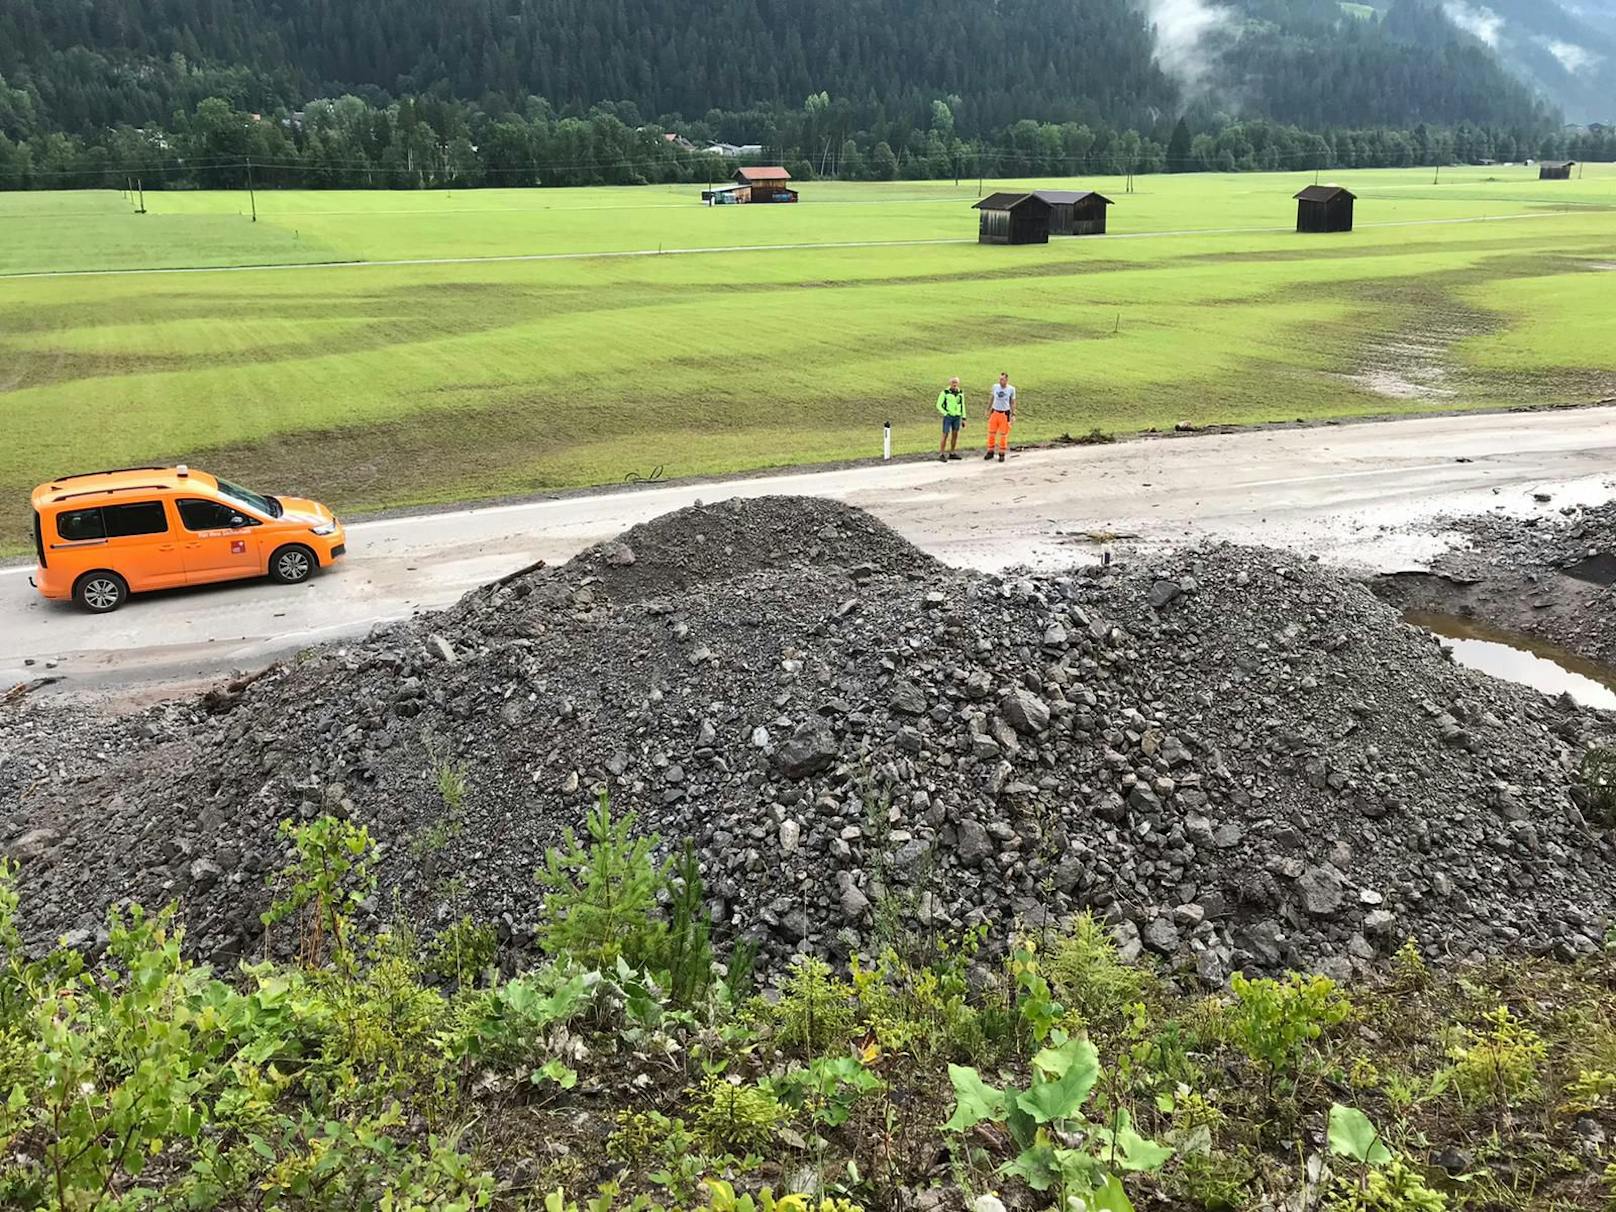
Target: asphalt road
x=1362 y=495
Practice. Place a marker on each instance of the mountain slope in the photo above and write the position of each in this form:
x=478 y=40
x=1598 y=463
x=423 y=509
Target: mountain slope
x=1566 y=50
x=90 y=65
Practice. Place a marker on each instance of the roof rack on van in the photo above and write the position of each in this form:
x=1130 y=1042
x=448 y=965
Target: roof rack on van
x=110 y=471
x=101 y=492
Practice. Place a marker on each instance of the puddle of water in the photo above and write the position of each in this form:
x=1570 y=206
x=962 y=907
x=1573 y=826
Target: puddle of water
x=1515 y=658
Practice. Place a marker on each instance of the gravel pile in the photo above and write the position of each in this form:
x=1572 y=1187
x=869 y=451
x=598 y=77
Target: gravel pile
x=1546 y=577
x=1244 y=760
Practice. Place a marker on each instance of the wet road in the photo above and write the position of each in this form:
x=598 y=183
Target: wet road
x=1360 y=495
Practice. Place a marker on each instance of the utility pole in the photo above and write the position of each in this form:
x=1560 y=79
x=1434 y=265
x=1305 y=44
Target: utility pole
x=1437 y=179
x=252 y=198
x=140 y=187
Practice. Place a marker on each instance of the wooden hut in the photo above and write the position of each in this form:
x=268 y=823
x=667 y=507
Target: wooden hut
x=1012 y=219
x=1075 y=212
x=1555 y=170
x=1324 y=208
x=766 y=184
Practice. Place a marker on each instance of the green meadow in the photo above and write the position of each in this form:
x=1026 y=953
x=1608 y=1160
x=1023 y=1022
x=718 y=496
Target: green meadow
x=527 y=340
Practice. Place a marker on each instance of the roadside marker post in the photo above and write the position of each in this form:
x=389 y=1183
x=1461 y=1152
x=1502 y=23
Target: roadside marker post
x=886 y=443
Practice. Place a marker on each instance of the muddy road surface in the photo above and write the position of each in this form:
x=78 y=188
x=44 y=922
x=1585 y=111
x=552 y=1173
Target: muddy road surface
x=1362 y=496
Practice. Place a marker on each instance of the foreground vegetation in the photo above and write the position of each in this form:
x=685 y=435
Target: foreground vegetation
x=625 y=1069
x=385 y=385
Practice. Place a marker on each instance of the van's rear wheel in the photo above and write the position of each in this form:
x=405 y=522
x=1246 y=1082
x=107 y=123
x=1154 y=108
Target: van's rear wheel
x=292 y=564
x=101 y=591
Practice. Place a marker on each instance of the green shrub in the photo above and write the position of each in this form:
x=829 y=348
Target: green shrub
x=463 y=951
x=1090 y=978
x=1409 y=970
x=734 y=1116
x=1061 y=1149
x=919 y=1011
x=1397 y=1187
x=815 y=1010
x=1275 y=1022
x=328 y=878
x=601 y=897
x=1498 y=1066
x=826 y=1090
x=688 y=955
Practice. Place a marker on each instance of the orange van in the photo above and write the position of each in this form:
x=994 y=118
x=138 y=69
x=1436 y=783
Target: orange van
x=103 y=535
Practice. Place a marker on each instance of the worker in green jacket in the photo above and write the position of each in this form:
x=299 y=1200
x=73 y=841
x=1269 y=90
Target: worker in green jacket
x=951 y=406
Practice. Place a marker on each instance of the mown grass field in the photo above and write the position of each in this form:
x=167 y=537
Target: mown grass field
x=461 y=376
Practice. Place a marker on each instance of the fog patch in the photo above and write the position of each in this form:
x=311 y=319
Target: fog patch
x=1572 y=57
x=1477 y=20
x=1183 y=32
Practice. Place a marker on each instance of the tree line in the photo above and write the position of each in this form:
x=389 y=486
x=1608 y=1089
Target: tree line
x=348 y=143
x=85 y=69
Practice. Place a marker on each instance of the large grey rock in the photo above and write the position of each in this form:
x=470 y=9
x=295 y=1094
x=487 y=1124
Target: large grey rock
x=811 y=749
x=1028 y=714
x=908 y=698
x=1162 y=593
x=1321 y=891
x=974 y=844
x=1161 y=935
x=35 y=844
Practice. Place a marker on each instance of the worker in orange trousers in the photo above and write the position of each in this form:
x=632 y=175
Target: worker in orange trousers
x=1001 y=415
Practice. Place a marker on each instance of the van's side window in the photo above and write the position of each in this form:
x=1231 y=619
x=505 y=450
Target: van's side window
x=76 y=525
x=144 y=517
x=206 y=515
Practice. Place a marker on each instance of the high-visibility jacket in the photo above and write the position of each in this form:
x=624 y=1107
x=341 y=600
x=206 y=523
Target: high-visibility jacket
x=951 y=403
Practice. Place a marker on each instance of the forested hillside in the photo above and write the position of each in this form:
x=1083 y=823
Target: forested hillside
x=84 y=67
x=405 y=93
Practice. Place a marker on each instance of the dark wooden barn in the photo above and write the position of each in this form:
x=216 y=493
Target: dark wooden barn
x=1324 y=208
x=1075 y=212
x=766 y=184
x=1555 y=170
x=1012 y=219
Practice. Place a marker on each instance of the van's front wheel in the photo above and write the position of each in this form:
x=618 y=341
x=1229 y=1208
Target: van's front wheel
x=101 y=592
x=292 y=564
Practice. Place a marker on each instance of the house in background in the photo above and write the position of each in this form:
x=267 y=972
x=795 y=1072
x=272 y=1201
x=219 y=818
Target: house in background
x=1075 y=212
x=1012 y=219
x=766 y=184
x=1555 y=170
x=1324 y=208
x=735 y=151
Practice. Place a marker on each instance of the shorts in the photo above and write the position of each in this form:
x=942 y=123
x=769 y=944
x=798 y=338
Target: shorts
x=952 y=424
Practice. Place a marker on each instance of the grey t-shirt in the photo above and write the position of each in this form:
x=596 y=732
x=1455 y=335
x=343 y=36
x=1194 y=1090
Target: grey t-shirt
x=1004 y=397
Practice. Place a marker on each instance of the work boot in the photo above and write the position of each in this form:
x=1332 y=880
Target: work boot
x=988 y=458
x=954 y=455
x=1001 y=456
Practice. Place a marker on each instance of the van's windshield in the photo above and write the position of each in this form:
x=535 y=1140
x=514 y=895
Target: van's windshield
x=246 y=496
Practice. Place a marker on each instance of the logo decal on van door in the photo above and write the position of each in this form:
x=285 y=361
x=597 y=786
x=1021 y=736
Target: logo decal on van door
x=238 y=546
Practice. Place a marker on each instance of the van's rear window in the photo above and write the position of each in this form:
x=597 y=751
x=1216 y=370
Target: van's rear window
x=75 y=525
